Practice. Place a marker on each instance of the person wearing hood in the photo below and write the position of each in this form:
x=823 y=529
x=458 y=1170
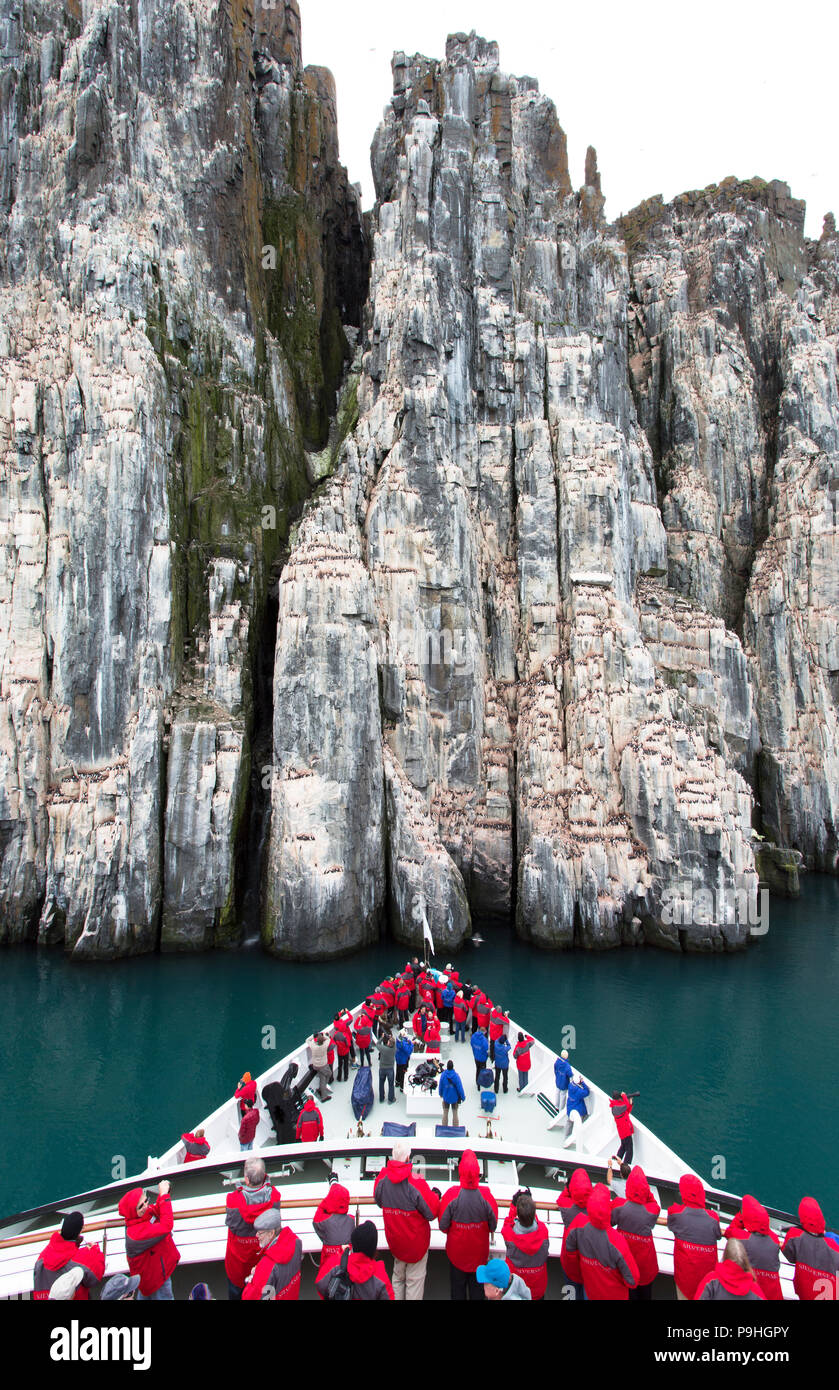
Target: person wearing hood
x=363 y=1033
x=751 y=1227
x=276 y=1274
x=572 y=1202
x=498 y=1024
x=246 y=1090
x=635 y=1216
x=697 y=1231
x=480 y=1052
x=333 y=1224
x=409 y=1206
x=460 y=1013
x=196 y=1145
x=481 y=1010
x=149 y=1246
x=451 y=1092
x=527 y=1240
x=403 y=998
x=521 y=1052
x=621 y=1108
x=64 y=1253
x=342 y=1038
x=814 y=1254
x=595 y=1255
x=468 y=1215
x=255 y=1196
x=368 y=1275
x=309 y=1127
x=501 y=1282
x=502 y=1061
x=563 y=1075
x=733 y=1279
x=432 y=1034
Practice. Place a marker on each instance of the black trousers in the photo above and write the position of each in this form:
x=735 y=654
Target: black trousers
x=625 y=1151
x=641 y=1294
x=479 y=1067
x=499 y=1072
x=401 y=1068
x=464 y=1286
x=344 y=1067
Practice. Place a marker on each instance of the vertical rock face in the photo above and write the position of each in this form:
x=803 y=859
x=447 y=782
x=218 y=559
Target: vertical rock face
x=174 y=274
x=734 y=321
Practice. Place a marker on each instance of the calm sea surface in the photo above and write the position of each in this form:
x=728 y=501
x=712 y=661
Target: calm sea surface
x=735 y=1056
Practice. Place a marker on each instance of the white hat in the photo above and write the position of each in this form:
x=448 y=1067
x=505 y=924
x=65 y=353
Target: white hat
x=64 y=1288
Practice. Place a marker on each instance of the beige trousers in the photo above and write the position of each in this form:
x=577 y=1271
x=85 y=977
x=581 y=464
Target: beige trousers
x=454 y=1110
x=409 y=1280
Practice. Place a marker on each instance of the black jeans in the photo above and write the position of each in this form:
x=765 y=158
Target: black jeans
x=641 y=1294
x=364 y=1059
x=464 y=1286
x=344 y=1067
x=499 y=1072
x=479 y=1067
x=401 y=1068
x=625 y=1151
x=233 y=1291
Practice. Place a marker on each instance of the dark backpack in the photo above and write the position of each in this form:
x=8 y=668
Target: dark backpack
x=339 y=1288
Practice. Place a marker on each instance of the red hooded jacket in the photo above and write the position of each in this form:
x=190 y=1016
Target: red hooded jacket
x=728 y=1281
x=369 y=1277
x=468 y=1213
x=498 y=1023
x=815 y=1255
x=521 y=1052
x=58 y=1257
x=621 y=1110
x=527 y=1252
x=333 y=1225
x=481 y=1008
x=572 y=1201
x=309 y=1126
x=751 y=1226
x=697 y=1231
x=279 y=1264
x=409 y=1207
x=596 y=1256
x=342 y=1037
x=149 y=1246
x=243 y=1207
x=635 y=1217
x=196 y=1149
x=432 y=1035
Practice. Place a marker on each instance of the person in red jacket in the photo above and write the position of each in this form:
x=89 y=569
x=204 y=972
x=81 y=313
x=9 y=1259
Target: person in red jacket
x=468 y=1215
x=363 y=1033
x=368 y=1275
x=409 y=1207
x=276 y=1274
x=521 y=1052
x=333 y=1224
x=248 y=1125
x=732 y=1279
x=527 y=1240
x=403 y=998
x=149 y=1246
x=309 y=1126
x=342 y=1038
x=751 y=1227
x=814 y=1254
x=64 y=1252
x=432 y=1034
x=498 y=1024
x=697 y=1231
x=481 y=1008
x=460 y=1015
x=196 y=1145
x=595 y=1255
x=621 y=1108
x=246 y=1090
x=572 y=1202
x=635 y=1216
x=255 y=1196
x=419 y=1022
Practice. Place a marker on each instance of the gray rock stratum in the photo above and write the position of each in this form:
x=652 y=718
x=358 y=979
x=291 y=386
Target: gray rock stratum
x=558 y=623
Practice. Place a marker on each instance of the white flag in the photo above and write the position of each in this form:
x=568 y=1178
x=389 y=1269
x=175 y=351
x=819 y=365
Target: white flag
x=426 y=933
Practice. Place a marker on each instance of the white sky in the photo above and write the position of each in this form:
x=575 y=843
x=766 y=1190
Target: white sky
x=673 y=95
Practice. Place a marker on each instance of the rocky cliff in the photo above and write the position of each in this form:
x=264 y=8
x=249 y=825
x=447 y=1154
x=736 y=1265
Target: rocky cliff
x=556 y=631
x=179 y=253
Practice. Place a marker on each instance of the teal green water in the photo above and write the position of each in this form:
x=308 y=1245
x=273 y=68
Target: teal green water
x=735 y=1056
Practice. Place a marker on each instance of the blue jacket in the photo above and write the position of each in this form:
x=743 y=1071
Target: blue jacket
x=502 y=1054
x=450 y=1088
x=404 y=1048
x=562 y=1072
x=448 y=995
x=480 y=1047
x=576 y=1097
